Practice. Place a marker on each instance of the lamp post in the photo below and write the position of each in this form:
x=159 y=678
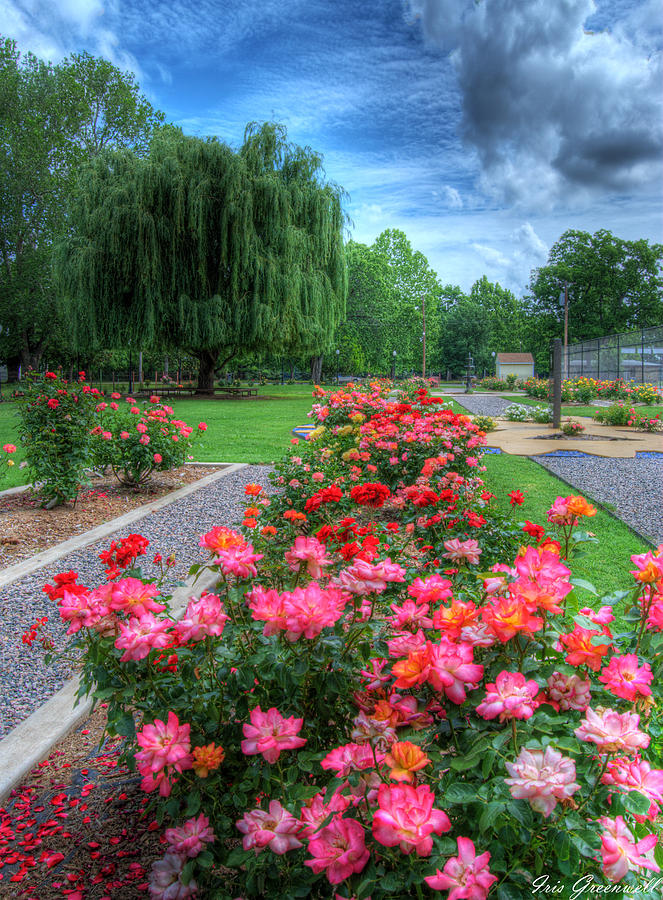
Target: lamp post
x=470 y=369
x=393 y=366
x=131 y=374
x=338 y=353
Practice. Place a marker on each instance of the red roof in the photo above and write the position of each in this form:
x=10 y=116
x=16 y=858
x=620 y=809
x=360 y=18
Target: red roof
x=515 y=358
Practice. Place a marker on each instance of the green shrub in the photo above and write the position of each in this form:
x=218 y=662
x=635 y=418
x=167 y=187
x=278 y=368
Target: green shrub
x=485 y=423
x=618 y=414
x=135 y=441
x=56 y=420
x=541 y=414
x=518 y=412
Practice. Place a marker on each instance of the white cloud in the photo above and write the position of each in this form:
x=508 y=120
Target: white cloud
x=451 y=197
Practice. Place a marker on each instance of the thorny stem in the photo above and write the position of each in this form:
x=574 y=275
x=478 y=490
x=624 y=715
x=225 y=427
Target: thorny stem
x=514 y=736
x=644 y=615
x=453 y=733
x=596 y=784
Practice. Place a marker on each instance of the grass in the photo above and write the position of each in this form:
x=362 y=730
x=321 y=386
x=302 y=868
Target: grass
x=607 y=565
x=455 y=406
x=581 y=410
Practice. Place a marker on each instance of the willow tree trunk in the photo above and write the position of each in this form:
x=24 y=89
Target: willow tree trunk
x=207 y=364
x=316 y=369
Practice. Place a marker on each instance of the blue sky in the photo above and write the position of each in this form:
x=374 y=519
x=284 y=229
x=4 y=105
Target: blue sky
x=483 y=129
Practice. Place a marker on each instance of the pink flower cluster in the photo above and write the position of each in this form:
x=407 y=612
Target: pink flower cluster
x=270 y=734
x=303 y=611
x=166 y=749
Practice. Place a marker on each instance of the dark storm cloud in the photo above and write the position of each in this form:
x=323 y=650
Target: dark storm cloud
x=551 y=107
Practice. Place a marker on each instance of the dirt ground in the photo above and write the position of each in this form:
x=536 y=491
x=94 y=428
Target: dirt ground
x=26 y=528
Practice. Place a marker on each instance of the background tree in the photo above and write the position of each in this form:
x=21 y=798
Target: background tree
x=213 y=251
x=504 y=323
x=614 y=286
x=414 y=283
x=466 y=331
x=52 y=119
x=365 y=334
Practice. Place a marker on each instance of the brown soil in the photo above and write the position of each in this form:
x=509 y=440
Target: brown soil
x=82 y=805
x=28 y=529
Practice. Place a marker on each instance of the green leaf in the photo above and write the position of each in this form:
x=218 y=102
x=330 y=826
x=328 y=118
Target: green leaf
x=459 y=793
x=582 y=846
x=637 y=803
x=491 y=813
x=238 y=856
x=521 y=811
x=462 y=763
x=585 y=585
x=193 y=803
x=125 y=725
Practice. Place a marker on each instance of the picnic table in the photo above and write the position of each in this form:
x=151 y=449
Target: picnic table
x=166 y=391
x=224 y=391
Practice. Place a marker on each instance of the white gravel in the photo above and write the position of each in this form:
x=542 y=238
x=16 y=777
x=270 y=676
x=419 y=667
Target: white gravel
x=25 y=682
x=483 y=404
x=631 y=488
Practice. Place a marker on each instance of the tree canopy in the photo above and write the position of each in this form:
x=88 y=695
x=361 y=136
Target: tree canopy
x=52 y=119
x=613 y=286
x=211 y=250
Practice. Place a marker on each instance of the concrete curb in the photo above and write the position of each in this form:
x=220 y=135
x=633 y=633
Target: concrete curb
x=19 y=489
x=31 y=741
x=20 y=570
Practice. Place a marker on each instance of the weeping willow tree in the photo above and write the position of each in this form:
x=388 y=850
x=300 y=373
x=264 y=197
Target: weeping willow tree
x=205 y=249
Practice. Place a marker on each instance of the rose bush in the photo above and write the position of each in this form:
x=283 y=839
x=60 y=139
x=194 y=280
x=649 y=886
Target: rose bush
x=392 y=690
x=56 y=418
x=135 y=438
x=7 y=462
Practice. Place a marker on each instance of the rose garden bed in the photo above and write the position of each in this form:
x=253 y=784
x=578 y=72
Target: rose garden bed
x=394 y=691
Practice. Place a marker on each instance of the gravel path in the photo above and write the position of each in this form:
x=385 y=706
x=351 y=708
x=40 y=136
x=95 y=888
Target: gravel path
x=634 y=487
x=483 y=404
x=25 y=682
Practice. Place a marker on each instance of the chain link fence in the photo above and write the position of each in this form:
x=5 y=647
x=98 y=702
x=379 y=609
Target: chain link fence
x=632 y=356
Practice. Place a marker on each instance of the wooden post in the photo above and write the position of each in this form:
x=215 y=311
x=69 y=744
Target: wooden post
x=557 y=383
x=566 y=329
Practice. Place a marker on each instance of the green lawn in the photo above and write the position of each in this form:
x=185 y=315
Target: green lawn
x=455 y=406
x=606 y=565
x=580 y=410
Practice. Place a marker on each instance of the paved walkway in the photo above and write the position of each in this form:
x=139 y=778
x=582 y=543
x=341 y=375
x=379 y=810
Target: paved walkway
x=617 y=467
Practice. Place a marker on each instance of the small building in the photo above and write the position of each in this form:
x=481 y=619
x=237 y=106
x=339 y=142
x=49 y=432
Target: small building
x=519 y=364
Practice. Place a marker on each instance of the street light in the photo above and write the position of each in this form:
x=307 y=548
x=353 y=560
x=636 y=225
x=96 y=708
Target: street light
x=470 y=370
x=131 y=374
x=393 y=366
x=338 y=353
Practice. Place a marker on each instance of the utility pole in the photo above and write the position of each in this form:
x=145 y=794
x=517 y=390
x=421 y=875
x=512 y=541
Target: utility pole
x=423 y=313
x=566 y=329
x=557 y=383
